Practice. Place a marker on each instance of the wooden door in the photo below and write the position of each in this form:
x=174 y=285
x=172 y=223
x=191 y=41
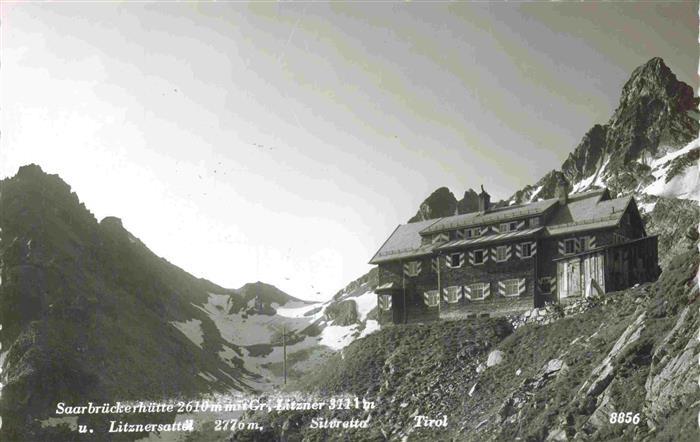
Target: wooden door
x=569 y=278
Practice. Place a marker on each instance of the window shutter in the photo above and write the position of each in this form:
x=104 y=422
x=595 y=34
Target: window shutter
x=471 y=257
x=533 y=248
x=521 y=224
x=521 y=286
x=501 y=288
x=562 y=247
x=460 y=234
x=434 y=263
x=467 y=291
x=591 y=242
x=518 y=250
x=384 y=302
x=577 y=244
x=487 y=290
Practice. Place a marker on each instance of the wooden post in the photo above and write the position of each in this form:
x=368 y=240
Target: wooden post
x=439 y=286
x=403 y=286
x=284 y=350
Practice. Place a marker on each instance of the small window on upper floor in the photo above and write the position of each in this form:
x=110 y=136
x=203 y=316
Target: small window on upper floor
x=527 y=250
x=508 y=227
x=473 y=232
x=478 y=256
x=534 y=222
x=570 y=246
x=455 y=260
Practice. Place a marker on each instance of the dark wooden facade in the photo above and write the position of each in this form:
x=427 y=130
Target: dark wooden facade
x=524 y=268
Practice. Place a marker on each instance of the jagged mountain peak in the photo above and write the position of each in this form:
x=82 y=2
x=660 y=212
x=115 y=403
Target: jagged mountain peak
x=657 y=113
x=657 y=79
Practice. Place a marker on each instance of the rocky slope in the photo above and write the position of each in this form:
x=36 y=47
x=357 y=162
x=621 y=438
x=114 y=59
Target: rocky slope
x=557 y=379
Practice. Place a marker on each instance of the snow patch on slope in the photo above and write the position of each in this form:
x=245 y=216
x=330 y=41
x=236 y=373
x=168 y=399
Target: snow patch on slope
x=365 y=303
x=338 y=337
x=298 y=310
x=533 y=197
x=597 y=179
x=192 y=329
x=685 y=185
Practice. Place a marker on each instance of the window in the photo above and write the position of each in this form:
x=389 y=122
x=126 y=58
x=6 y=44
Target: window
x=478 y=257
x=473 y=232
x=501 y=253
x=455 y=260
x=412 y=269
x=511 y=287
x=453 y=294
x=534 y=222
x=431 y=298
x=526 y=250
x=508 y=227
x=546 y=284
x=479 y=291
x=569 y=246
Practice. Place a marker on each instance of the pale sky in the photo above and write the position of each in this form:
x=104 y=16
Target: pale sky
x=284 y=142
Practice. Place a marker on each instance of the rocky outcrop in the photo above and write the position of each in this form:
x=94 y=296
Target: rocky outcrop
x=440 y=203
x=469 y=202
x=342 y=313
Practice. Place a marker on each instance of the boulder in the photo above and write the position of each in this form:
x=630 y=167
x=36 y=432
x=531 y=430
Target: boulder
x=495 y=358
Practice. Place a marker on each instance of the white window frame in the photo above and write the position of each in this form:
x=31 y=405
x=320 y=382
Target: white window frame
x=483 y=256
x=505 y=253
x=522 y=250
x=477 y=286
x=459 y=260
x=510 y=282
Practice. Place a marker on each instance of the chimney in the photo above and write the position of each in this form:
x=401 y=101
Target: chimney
x=484 y=200
x=561 y=192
